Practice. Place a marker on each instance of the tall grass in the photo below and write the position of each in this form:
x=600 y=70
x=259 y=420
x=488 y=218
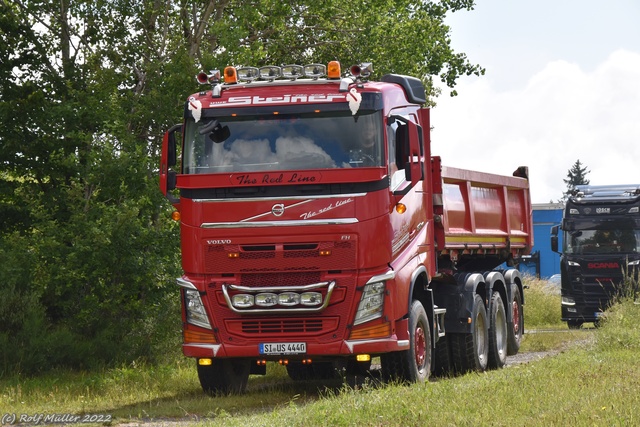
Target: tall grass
x=542 y=305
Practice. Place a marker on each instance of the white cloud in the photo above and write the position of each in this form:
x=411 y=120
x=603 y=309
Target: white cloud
x=562 y=114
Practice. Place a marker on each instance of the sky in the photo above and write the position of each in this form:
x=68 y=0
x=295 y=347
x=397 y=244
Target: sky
x=562 y=83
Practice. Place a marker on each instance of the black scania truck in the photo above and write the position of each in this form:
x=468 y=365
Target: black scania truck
x=600 y=248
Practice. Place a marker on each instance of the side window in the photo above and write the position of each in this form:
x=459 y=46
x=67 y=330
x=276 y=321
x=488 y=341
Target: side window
x=397 y=174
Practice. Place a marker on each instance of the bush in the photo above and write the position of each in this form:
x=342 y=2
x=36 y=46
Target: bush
x=91 y=282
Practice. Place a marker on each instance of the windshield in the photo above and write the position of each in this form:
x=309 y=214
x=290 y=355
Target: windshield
x=283 y=142
x=602 y=241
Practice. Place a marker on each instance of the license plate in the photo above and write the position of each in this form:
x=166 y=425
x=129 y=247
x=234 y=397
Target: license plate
x=283 y=348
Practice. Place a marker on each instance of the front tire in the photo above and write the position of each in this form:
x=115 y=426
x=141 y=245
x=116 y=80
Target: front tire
x=225 y=376
x=413 y=365
x=497 y=333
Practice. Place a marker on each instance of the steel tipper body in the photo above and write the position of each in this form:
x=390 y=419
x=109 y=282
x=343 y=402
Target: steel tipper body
x=317 y=231
x=601 y=248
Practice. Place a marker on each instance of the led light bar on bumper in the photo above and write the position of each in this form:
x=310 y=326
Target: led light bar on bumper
x=306 y=298
x=372 y=299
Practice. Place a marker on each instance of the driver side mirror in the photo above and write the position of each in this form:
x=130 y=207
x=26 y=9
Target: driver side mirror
x=554 y=238
x=168 y=159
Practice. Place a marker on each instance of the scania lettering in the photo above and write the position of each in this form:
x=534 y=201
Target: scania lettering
x=318 y=232
x=600 y=248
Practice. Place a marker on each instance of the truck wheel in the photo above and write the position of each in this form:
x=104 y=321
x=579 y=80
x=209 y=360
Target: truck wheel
x=470 y=351
x=497 y=333
x=413 y=365
x=225 y=376
x=514 y=336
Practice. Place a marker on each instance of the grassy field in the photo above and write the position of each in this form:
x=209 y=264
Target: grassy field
x=594 y=380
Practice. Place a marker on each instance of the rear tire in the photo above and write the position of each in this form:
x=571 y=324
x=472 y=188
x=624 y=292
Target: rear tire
x=497 y=333
x=225 y=376
x=471 y=351
x=514 y=337
x=442 y=365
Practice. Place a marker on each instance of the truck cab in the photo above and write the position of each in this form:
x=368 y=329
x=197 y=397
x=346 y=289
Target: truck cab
x=307 y=203
x=600 y=251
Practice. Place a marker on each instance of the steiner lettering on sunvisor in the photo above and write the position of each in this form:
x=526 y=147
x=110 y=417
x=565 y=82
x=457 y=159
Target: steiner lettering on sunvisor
x=277 y=178
x=285 y=99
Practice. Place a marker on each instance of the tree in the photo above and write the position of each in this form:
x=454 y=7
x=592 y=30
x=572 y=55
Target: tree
x=86 y=90
x=575 y=176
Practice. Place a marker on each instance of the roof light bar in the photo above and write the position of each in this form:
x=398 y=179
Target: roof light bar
x=248 y=74
x=232 y=75
x=292 y=71
x=315 y=70
x=270 y=72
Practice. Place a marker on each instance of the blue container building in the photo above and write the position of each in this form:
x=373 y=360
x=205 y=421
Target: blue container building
x=543 y=262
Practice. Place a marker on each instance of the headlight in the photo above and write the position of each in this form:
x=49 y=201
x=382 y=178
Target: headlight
x=371 y=303
x=196 y=314
x=568 y=301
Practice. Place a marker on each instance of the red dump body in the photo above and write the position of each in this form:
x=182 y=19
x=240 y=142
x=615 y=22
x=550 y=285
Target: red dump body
x=480 y=212
x=298 y=248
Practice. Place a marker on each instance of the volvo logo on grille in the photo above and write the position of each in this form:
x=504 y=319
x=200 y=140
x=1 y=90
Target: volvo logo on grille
x=277 y=209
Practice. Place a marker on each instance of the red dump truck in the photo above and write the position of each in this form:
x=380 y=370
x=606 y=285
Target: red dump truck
x=318 y=232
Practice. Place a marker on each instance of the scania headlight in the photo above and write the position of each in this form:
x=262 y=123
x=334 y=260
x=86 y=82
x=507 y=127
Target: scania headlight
x=196 y=314
x=568 y=301
x=371 y=303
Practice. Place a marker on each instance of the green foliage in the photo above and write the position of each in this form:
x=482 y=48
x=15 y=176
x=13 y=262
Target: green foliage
x=86 y=90
x=577 y=175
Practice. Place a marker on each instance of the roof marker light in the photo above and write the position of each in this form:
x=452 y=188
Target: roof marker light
x=333 y=70
x=292 y=71
x=270 y=72
x=248 y=74
x=230 y=75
